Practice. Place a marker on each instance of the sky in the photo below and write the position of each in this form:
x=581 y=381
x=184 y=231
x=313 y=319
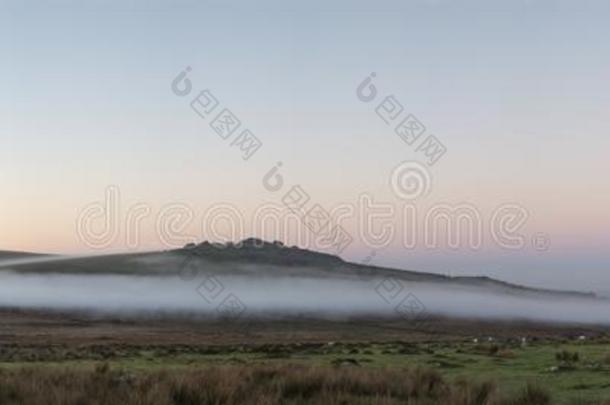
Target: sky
x=517 y=92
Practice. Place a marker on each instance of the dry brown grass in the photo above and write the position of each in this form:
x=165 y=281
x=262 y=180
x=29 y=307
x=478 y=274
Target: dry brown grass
x=246 y=385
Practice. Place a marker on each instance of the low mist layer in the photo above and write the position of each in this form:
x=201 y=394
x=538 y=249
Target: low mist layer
x=105 y=294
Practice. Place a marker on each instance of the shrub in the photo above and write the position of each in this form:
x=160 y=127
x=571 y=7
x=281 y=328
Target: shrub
x=566 y=356
x=253 y=384
x=532 y=394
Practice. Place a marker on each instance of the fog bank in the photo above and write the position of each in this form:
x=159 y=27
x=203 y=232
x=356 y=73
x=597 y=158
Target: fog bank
x=139 y=295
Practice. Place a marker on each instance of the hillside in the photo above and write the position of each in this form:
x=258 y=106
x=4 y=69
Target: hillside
x=261 y=259
x=10 y=255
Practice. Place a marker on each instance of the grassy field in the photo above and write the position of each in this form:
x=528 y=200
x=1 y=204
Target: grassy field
x=570 y=371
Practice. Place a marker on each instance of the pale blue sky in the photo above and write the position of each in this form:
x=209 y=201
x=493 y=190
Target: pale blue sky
x=518 y=91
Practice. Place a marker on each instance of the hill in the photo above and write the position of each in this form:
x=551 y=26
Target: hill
x=261 y=259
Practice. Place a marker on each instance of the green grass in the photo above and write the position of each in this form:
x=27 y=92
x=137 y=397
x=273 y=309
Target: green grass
x=511 y=366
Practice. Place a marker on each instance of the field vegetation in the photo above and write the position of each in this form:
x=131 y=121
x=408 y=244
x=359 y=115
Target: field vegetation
x=489 y=372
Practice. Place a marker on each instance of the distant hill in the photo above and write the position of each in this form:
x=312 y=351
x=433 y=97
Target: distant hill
x=6 y=254
x=257 y=258
x=258 y=251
